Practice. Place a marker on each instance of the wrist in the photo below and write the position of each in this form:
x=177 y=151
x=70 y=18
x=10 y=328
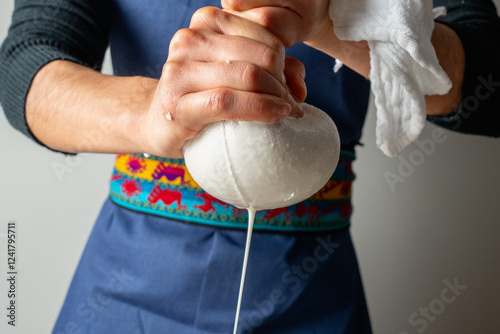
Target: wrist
x=354 y=54
x=135 y=118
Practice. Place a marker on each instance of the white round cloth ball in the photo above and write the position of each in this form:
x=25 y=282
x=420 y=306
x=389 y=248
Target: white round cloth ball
x=265 y=165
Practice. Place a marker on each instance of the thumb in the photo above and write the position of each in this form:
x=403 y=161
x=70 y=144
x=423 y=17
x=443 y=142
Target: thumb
x=282 y=22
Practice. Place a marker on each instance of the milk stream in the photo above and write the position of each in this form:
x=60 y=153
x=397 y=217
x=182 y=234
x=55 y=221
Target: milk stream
x=251 y=218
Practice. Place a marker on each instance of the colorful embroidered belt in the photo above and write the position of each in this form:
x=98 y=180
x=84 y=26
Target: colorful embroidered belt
x=164 y=187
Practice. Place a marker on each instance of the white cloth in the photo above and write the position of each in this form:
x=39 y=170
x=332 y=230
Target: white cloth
x=404 y=66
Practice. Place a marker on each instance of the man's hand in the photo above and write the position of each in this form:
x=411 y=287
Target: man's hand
x=293 y=21
x=223 y=67
x=308 y=21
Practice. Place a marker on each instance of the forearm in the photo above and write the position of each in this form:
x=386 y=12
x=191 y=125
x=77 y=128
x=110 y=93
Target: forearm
x=449 y=50
x=74 y=109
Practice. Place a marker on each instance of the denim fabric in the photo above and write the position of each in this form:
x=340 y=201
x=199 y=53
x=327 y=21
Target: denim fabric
x=146 y=274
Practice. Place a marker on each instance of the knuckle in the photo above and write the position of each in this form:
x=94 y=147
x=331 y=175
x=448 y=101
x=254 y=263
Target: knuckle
x=233 y=4
x=274 y=27
x=262 y=109
x=288 y=40
x=220 y=100
x=185 y=38
x=265 y=20
x=271 y=58
x=171 y=69
x=202 y=14
x=251 y=75
x=276 y=44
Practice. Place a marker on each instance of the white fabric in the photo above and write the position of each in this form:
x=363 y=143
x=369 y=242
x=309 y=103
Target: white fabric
x=404 y=66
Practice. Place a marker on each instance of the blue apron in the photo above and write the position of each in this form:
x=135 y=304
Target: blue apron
x=143 y=272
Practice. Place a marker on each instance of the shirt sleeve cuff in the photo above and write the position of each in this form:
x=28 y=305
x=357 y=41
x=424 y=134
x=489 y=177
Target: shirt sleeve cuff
x=19 y=72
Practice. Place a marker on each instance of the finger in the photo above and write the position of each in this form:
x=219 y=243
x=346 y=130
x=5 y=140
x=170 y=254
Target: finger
x=295 y=73
x=228 y=24
x=282 y=22
x=206 y=47
x=233 y=75
x=241 y=5
x=199 y=109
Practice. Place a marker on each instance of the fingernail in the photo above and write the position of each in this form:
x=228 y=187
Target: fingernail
x=283 y=108
x=297 y=111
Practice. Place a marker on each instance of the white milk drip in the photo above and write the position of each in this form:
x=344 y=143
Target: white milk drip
x=260 y=166
x=251 y=218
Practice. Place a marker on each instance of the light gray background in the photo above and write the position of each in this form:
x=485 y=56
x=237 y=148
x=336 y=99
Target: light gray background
x=442 y=223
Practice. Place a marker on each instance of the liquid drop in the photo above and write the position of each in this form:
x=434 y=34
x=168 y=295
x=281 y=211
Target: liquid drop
x=251 y=218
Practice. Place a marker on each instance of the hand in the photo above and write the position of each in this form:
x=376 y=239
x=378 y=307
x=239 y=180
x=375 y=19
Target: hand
x=303 y=21
x=293 y=21
x=223 y=67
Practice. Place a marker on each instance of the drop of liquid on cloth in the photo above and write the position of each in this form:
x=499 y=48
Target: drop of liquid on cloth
x=251 y=218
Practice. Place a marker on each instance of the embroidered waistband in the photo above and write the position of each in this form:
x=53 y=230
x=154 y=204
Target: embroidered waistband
x=164 y=187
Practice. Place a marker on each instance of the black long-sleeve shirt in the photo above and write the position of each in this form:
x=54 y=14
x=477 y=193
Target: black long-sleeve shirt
x=478 y=26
